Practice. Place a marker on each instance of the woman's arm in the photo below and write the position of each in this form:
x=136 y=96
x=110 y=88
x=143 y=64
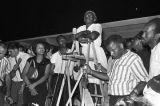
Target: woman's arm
x=44 y=78
x=96 y=31
x=80 y=34
x=24 y=73
x=87 y=34
x=93 y=35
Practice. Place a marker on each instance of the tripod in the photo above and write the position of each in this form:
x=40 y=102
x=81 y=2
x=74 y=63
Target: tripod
x=87 y=58
x=60 y=80
x=67 y=58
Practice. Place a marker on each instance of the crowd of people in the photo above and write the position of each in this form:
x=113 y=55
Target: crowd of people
x=130 y=69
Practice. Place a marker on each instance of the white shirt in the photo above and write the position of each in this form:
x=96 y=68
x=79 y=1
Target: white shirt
x=24 y=57
x=60 y=64
x=155 y=61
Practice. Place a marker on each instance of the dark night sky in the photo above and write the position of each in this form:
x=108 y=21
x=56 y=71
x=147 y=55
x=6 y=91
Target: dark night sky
x=25 y=19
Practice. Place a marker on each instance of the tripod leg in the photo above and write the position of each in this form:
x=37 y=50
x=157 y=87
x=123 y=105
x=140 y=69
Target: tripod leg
x=79 y=78
x=86 y=97
x=96 y=98
x=68 y=80
x=61 y=90
x=83 y=98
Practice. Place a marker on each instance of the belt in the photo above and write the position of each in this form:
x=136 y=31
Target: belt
x=17 y=81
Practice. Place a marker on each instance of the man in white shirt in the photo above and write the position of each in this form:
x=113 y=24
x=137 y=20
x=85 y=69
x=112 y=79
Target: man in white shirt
x=152 y=37
x=18 y=60
x=60 y=70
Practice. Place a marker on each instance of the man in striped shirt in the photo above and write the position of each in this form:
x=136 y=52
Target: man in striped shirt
x=4 y=73
x=127 y=77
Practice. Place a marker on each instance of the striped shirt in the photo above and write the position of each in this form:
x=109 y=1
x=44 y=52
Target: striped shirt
x=5 y=68
x=125 y=74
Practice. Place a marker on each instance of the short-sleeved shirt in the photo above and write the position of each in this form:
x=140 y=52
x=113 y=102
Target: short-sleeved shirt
x=126 y=73
x=60 y=63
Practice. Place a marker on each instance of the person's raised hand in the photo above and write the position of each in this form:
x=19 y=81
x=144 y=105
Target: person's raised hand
x=87 y=32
